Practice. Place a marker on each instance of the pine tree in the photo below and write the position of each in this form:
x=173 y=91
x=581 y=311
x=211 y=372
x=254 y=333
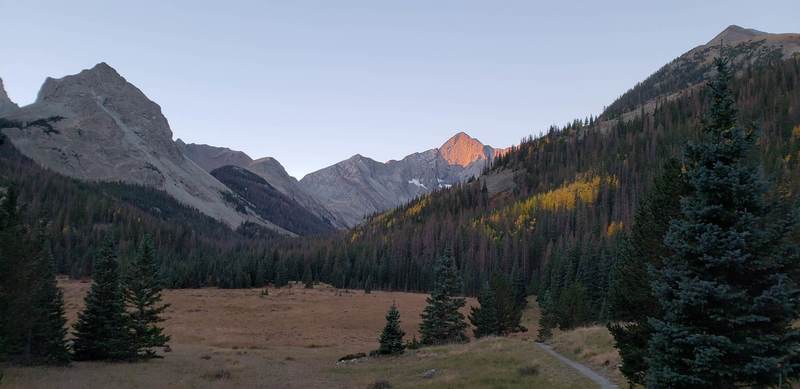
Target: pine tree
x=631 y=300
x=102 y=331
x=520 y=287
x=727 y=295
x=505 y=304
x=281 y=274
x=484 y=317
x=391 y=339
x=442 y=322
x=308 y=278
x=368 y=285
x=47 y=342
x=547 y=319
x=32 y=322
x=143 y=297
x=14 y=270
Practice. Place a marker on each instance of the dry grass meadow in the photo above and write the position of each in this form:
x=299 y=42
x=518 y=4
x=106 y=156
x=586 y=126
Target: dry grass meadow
x=292 y=338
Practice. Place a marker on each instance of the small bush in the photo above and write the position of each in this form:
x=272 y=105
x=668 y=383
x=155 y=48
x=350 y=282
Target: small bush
x=380 y=384
x=531 y=370
x=350 y=357
x=218 y=375
x=413 y=344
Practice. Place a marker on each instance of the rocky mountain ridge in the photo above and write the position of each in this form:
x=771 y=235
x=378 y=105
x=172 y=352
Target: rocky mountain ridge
x=360 y=186
x=96 y=126
x=211 y=158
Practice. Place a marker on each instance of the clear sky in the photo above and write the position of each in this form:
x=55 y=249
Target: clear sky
x=314 y=82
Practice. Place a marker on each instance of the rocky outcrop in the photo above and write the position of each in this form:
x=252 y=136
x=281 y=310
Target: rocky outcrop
x=6 y=105
x=96 y=126
x=211 y=157
x=360 y=186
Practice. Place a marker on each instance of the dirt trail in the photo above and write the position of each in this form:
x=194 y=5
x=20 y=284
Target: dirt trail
x=583 y=369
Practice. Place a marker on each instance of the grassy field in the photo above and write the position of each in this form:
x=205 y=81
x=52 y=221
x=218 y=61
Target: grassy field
x=292 y=338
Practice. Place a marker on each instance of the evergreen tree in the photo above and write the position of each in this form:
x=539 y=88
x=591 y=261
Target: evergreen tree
x=441 y=320
x=391 y=339
x=47 y=341
x=368 y=285
x=484 y=317
x=508 y=315
x=572 y=307
x=281 y=273
x=520 y=287
x=102 y=331
x=143 y=296
x=32 y=322
x=547 y=318
x=727 y=295
x=308 y=278
x=13 y=276
x=631 y=300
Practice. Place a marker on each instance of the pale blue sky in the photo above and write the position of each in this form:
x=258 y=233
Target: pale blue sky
x=314 y=82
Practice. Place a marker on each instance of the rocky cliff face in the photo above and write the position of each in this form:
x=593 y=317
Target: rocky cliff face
x=97 y=126
x=360 y=186
x=6 y=105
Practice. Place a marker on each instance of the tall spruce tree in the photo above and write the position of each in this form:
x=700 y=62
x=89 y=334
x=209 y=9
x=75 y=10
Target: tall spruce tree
x=143 y=296
x=281 y=273
x=13 y=276
x=102 y=330
x=630 y=297
x=391 y=339
x=308 y=277
x=547 y=318
x=442 y=322
x=727 y=296
x=484 y=317
x=505 y=304
x=46 y=342
x=32 y=322
x=520 y=287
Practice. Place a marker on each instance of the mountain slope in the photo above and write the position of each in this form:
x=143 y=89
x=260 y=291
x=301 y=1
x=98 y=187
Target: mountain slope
x=553 y=208
x=270 y=203
x=268 y=168
x=95 y=126
x=745 y=47
x=6 y=105
x=360 y=186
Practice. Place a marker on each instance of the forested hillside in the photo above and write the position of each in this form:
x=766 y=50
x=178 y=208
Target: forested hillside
x=573 y=191
x=255 y=192
x=79 y=215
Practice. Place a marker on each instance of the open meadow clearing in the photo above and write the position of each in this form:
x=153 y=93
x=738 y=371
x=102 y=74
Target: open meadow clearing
x=292 y=338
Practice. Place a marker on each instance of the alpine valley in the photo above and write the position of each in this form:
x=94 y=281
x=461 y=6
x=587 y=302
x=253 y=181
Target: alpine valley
x=107 y=153
x=646 y=232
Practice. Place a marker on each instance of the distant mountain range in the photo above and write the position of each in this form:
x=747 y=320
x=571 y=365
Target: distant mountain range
x=96 y=126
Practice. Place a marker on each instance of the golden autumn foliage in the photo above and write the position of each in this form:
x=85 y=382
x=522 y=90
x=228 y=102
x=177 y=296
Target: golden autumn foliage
x=614 y=227
x=566 y=197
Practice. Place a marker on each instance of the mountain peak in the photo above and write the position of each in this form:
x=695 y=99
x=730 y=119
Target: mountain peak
x=734 y=33
x=462 y=149
x=6 y=105
x=100 y=76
